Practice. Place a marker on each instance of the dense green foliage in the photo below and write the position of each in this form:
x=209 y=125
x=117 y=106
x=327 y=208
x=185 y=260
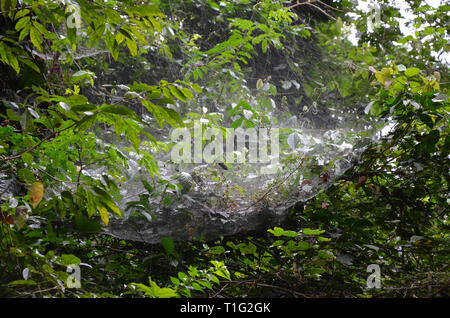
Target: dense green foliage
x=136 y=68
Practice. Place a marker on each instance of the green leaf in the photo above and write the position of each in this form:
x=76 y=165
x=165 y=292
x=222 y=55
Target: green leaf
x=91 y=203
x=177 y=93
x=27 y=158
x=118 y=110
x=168 y=245
x=107 y=200
x=82 y=76
x=22 y=282
x=147 y=10
x=326 y=255
x=84 y=108
x=155 y=110
x=85 y=123
x=427 y=120
x=21 y=13
x=72 y=100
x=36 y=38
x=26 y=175
x=132 y=46
x=312 y=232
x=277 y=243
x=278 y=231
x=41 y=29
x=103 y=214
x=155 y=291
x=237 y=123
x=22 y=23
x=31 y=65
x=68 y=259
x=173 y=118
x=24 y=32
x=410 y=72
x=87 y=225
x=113 y=47
x=155 y=24
x=12 y=116
x=9 y=57
x=217 y=250
x=303 y=246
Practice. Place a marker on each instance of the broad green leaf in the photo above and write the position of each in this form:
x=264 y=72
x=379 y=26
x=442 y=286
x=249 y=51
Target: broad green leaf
x=118 y=110
x=27 y=158
x=36 y=38
x=24 y=32
x=26 y=175
x=85 y=123
x=155 y=24
x=312 y=232
x=168 y=245
x=84 y=108
x=173 y=117
x=217 y=250
x=107 y=200
x=22 y=282
x=91 y=203
x=68 y=259
x=303 y=246
x=155 y=110
x=31 y=65
x=21 y=13
x=237 y=123
x=12 y=116
x=103 y=214
x=22 y=23
x=132 y=46
x=410 y=72
x=177 y=93
x=41 y=29
x=147 y=10
x=278 y=231
x=9 y=57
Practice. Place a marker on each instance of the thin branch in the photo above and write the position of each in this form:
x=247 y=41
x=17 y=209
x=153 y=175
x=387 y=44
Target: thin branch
x=79 y=149
x=54 y=178
x=17 y=156
x=311 y=3
x=323 y=11
x=331 y=7
x=300 y=4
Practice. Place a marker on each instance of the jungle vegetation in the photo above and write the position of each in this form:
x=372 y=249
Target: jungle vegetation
x=72 y=70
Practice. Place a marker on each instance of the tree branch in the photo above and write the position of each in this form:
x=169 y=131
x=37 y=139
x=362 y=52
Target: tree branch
x=17 y=156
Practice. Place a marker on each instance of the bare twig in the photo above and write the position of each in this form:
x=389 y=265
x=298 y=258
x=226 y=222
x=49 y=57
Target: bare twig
x=311 y=3
x=323 y=11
